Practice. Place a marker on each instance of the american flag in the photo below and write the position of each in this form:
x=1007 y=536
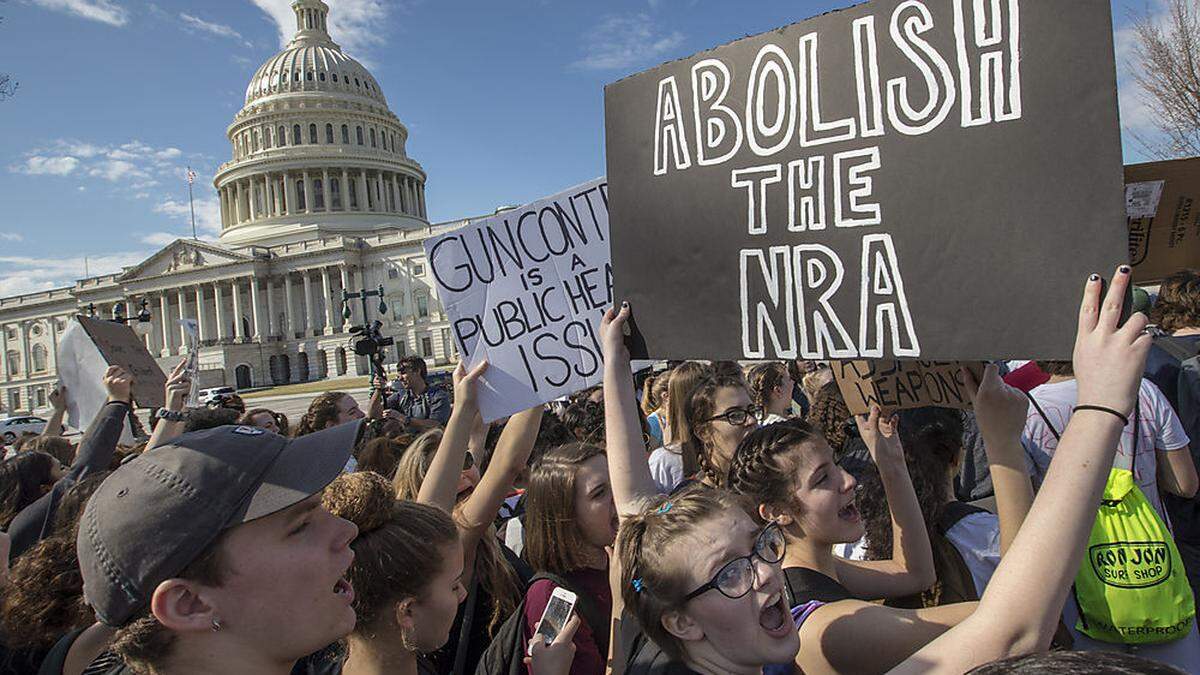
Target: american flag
x=191 y=176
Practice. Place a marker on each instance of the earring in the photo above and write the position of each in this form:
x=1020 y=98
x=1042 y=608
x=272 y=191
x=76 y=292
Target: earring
x=216 y=625
x=406 y=641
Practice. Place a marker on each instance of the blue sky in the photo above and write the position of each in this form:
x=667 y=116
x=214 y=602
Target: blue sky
x=503 y=101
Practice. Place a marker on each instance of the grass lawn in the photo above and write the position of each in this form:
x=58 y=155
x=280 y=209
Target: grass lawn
x=310 y=387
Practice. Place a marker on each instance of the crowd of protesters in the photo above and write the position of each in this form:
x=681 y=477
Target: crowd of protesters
x=715 y=518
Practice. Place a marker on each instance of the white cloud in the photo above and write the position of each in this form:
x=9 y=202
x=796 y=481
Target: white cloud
x=622 y=42
x=208 y=217
x=196 y=24
x=160 y=239
x=104 y=11
x=354 y=24
x=114 y=170
x=11 y=236
x=39 y=165
x=22 y=274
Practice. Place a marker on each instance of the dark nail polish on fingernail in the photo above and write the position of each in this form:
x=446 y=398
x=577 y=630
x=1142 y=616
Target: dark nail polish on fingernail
x=1094 y=277
x=624 y=304
x=1123 y=269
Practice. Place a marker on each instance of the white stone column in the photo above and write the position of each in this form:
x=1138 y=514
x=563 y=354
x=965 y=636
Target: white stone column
x=255 y=315
x=345 y=188
x=237 y=203
x=4 y=355
x=182 y=315
x=164 y=319
x=399 y=195
x=364 y=199
x=289 y=328
x=308 y=201
x=250 y=197
x=271 y=320
x=326 y=194
x=239 y=331
x=52 y=324
x=289 y=193
x=25 y=362
x=200 y=312
x=268 y=201
x=421 y=199
x=218 y=314
x=328 y=302
x=224 y=207
x=346 y=287
x=310 y=323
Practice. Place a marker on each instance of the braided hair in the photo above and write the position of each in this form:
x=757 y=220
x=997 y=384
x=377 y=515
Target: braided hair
x=322 y=412
x=830 y=416
x=654 y=559
x=698 y=451
x=764 y=467
x=762 y=380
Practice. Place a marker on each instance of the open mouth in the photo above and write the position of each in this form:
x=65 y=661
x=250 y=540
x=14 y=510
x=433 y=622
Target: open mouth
x=774 y=618
x=344 y=590
x=849 y=513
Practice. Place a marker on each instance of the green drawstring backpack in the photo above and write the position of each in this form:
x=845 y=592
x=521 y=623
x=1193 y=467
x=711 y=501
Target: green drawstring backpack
x=1131 y=588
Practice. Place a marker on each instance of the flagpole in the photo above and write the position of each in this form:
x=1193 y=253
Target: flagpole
x=191 y=203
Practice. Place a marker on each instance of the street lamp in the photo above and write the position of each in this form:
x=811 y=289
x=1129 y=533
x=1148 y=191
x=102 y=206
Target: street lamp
x=140 y=324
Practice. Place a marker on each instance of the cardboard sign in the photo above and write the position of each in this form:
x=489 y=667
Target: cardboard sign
x=526 y=289
x=1163 y=211
x=120 y=346
x=897 y=179
x=899 y=385
x=81 y=369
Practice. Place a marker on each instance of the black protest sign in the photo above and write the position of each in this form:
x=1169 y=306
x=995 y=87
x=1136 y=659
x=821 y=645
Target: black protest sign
x=899 y=385
x=120 y=346
x=526 y=290
x=897 y=179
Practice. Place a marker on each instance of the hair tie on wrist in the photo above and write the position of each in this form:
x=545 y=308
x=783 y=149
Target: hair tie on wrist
x=1099 y=408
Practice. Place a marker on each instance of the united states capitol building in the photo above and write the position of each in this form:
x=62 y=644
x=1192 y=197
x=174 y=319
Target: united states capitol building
x=319 y=196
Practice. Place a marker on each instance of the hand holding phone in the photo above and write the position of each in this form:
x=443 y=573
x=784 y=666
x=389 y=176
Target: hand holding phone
x=554 y=618
x=557 y=657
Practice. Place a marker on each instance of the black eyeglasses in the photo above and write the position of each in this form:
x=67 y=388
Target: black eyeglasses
x=737 y=576
x=737 y=416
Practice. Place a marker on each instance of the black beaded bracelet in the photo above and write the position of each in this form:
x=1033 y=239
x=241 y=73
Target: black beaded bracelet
x=1124 y=418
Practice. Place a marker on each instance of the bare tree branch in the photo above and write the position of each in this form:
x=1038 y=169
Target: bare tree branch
x=1167 y=60
x=8 y=86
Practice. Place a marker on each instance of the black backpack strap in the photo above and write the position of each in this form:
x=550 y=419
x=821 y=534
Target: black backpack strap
x=805 y=585
x=953 y=513
x=583 y=602
x=1180 y=350
x=464 y=633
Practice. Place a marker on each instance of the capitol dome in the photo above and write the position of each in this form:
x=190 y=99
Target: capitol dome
x=316 y=148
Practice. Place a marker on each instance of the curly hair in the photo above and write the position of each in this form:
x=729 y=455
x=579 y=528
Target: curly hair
x=932 y=441
x=381 y=455
x=281 y=420
x=44 y=598
x=765 y=465
x=830 y=416
x=1178 y=304
x=199 y=419
x=698 y=452
x=22 y=481
x=651 y=546
x=398 y=549
x=585 y=420
x=322 y=412
x=762 y=379
x=55 y=446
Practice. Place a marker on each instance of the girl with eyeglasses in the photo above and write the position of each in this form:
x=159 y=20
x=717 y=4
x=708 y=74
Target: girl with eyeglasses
x=667 y=463
x=719 y=415
x=1020 y=608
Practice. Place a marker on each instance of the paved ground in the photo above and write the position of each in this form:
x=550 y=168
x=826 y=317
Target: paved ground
x=294 y=405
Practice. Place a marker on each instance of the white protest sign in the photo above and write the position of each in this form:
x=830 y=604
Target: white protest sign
x=191 y=330
x=526 y=290
x=81 y=368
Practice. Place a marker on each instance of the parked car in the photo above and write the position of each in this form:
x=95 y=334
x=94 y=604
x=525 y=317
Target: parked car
x=12 y=427
x=208 y=395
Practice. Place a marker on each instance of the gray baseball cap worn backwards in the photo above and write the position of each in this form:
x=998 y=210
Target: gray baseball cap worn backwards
x=157 y=513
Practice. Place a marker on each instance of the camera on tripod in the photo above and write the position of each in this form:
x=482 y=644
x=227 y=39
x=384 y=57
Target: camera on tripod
x=370 y=341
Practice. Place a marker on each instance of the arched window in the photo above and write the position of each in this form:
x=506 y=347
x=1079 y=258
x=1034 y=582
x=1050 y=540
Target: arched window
x=312 y=134
x=356 y=82
x=266 y=135
x=383 y=139
x=39 y=358
x=282 y=136
x=257 y=141
x=352 y=192
x=300 y=204
x=296 y=134
x=335 y=193
x=308 y=75
x=335 y=77
x=14 y=363
x=329 y=133
x=318 y=194
x=393 y=141
x=358 y=131
x=345 y=134
x=321 y=76
x=296 y=76
x=373 y=145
